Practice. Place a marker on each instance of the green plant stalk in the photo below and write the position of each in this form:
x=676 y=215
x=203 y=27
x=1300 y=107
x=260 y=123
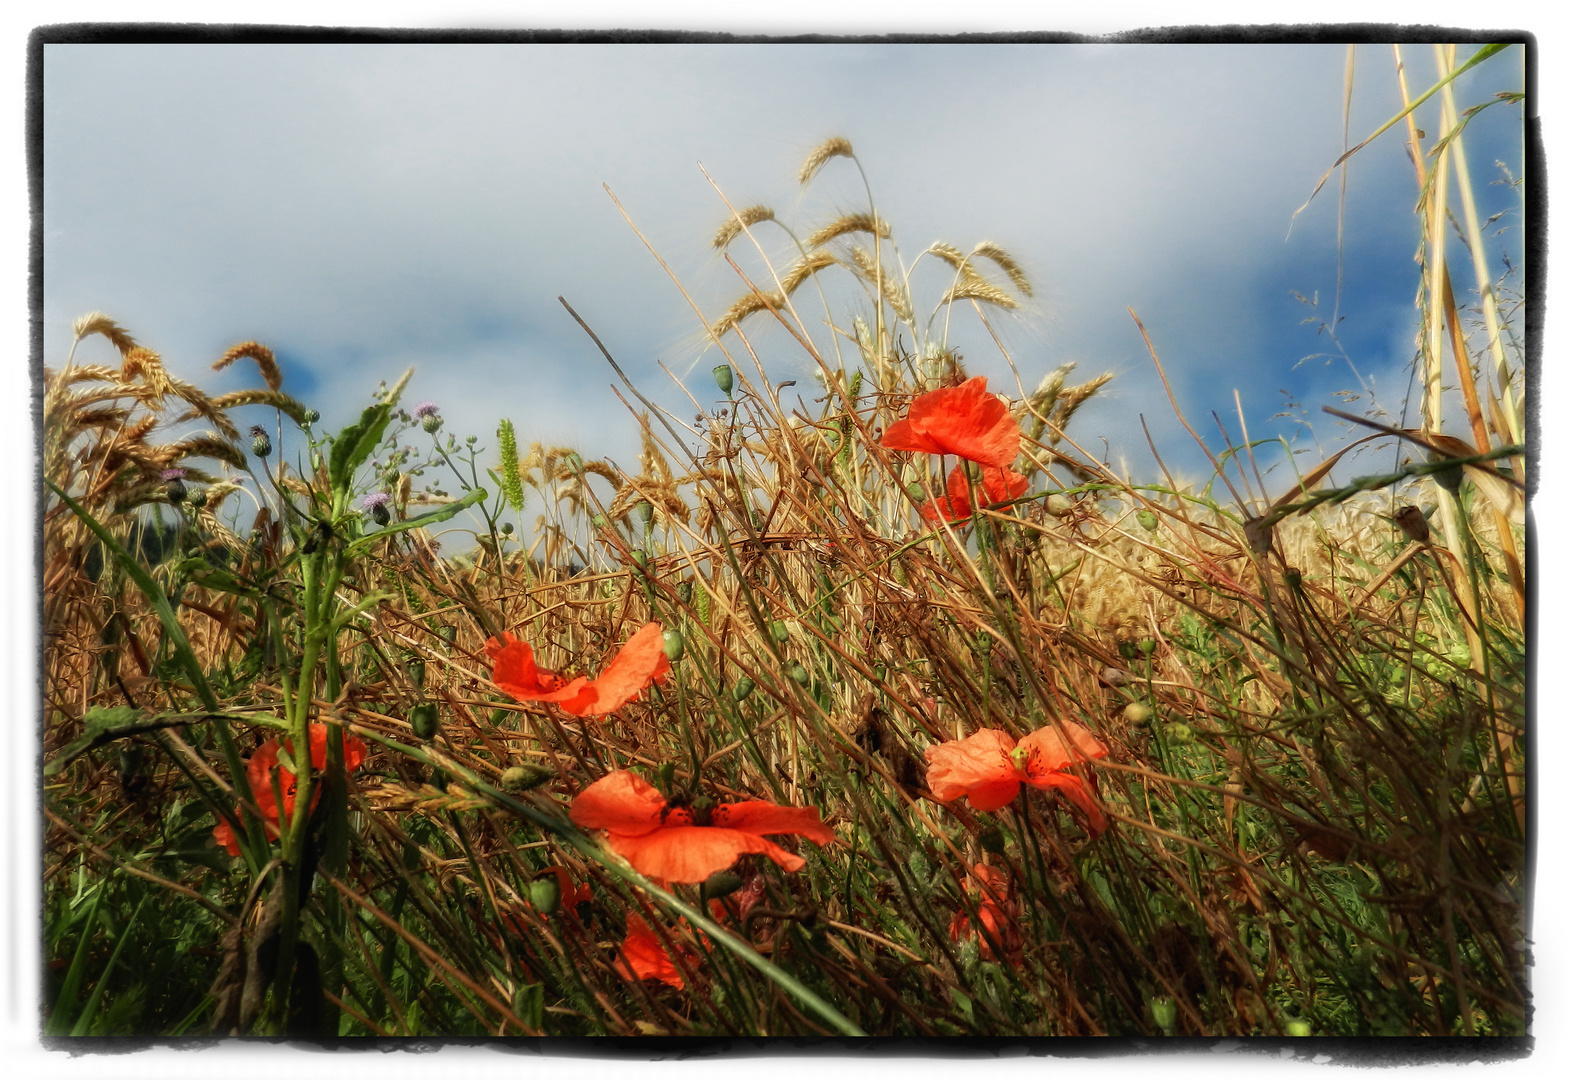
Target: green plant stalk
x=91 y=1008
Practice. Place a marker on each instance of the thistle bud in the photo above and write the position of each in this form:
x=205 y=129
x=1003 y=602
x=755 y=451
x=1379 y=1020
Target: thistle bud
x=376 y=502
x=743 y=688
x=261 y=445
x=174 y=487
x=725 y=379
x=426 y=413
x=423 y=719
x=310 y=417
x=525 y=777
x=544 y=892
x=506 y=528
x=1148 y=519
x=196 y=499
x=675 y=645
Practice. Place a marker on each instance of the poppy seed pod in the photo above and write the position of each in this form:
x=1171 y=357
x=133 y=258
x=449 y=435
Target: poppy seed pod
x=544 y=892
x=719 y=885
x=1148 y=519
x=675 y=645
x=645 y=513
x=525 y=777
x=1138 y=714
x=423 y=719
x=1058 y=505
x=743 y=688
x=724 y=378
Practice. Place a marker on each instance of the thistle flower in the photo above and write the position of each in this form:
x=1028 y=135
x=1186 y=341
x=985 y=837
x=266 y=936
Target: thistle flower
x=376 y=502
x=425 y=412
x=261 y=445
x=175 y=484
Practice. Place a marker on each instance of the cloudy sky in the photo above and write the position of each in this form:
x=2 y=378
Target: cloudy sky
x=367 y=208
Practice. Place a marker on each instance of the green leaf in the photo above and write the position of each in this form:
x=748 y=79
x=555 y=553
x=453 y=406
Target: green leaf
x=478 y=495
x=355 y=443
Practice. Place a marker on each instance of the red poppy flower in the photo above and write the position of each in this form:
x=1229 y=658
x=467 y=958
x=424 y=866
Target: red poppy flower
x=259 y=772
x=672 y=843
x=998 y=910
x=643 y=957
x=988 y=767
x=641 y=661
x=998 y=486
x=963 y=420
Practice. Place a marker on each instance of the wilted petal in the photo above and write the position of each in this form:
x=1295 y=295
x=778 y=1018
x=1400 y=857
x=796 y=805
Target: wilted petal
x=641 y=661
x=643 y=957
x=977 y=767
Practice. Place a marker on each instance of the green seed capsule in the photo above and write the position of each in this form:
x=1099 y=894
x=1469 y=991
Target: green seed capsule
x=675 y=645
x=1147 y=646
x=724 y=378
x=645 y=512
x=917 y=492
x=544 y=892
x=743 y=688
x=424 y=719
x=640 y=557
x=525 y=777
x=800 y=674
x=719 y=884
x=780 y=631
x=1138 y=714
x=1058 y=505
x=1148 y=519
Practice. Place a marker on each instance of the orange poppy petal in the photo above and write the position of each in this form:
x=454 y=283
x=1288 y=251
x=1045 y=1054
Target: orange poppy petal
x=643 y=957
x=763 y=818
x=963 y=420
x=224 y=834
x=977 y=767
x=1003 y=485
x=622 y=802
x=1047 y=751
x=516 y=675
x=693 y=853
x=641 y=661
x=1074 y=789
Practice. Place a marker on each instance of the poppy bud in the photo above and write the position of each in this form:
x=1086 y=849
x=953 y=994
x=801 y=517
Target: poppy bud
x=1138 y=714
x=725 y=379
x=640 y=557
x=544 y=892
x=1180 y=734
x=743 y=688
x=416 y=670
x=1148 y=519
x=599 y=521
x=800 y=674
x=1164 y=1010
x=1058 y=505
x=525 y=777
x=675 y=645
x=1298 y=1028
x=917 y=492
x=574 y=461
x=780 y=631
x=1293 y=579
x=422 y=718
x=449 y=634
x=880 y=672
x=718 y=885
x=261 y=445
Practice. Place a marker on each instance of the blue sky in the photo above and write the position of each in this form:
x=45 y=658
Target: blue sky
x=366 y=208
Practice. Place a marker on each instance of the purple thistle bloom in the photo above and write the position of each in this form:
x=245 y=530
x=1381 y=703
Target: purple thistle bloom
x=258 y=432
x=375 y=499
x=172 y=474
x=426 y=408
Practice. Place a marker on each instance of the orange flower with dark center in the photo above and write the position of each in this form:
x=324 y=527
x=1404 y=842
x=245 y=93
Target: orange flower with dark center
x=641 y=661
x=988 y=767
x=998 y=911
x=643 y=957
x=963 y=420
x=259 y=772
x=689 y=843
x=997 y=486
